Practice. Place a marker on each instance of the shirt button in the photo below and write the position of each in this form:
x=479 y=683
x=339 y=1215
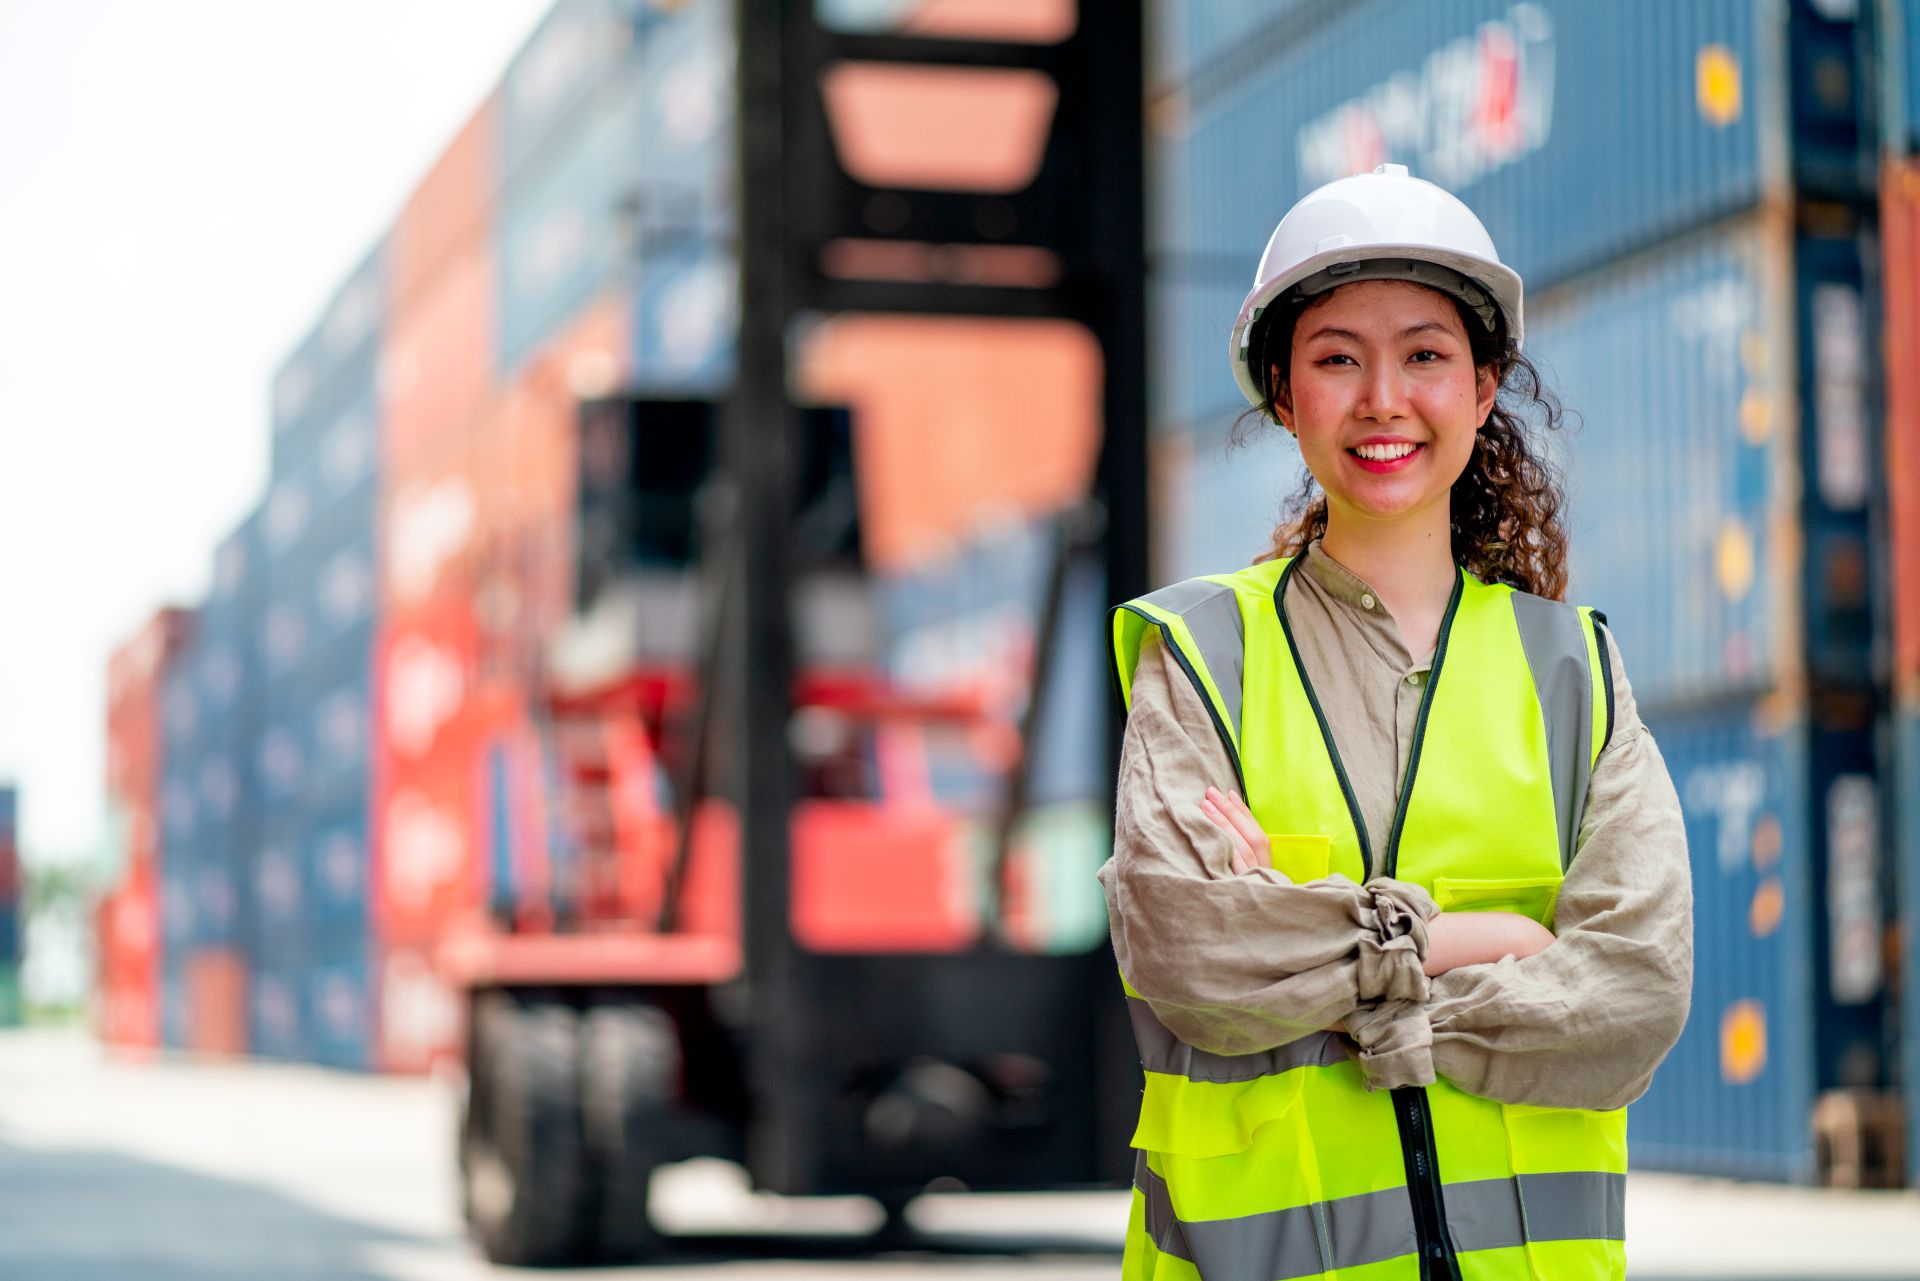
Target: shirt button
x=1366 y=601
x=1413 y=678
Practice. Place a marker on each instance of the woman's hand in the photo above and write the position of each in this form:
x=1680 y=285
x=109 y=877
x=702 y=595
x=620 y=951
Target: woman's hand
x=1455 y=939
x=1229 y=813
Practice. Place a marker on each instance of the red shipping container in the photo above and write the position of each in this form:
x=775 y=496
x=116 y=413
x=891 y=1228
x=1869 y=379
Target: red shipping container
x=958 y=422
x=436 y=369
x=134 y=673
x=217 y=1002
x=127 y=930
x=453 y=205
x=1900 y=238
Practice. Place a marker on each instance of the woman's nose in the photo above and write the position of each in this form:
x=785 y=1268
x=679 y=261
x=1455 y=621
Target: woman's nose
x=1383 y=397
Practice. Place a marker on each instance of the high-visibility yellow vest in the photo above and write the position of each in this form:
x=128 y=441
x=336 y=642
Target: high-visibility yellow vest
x=1281 y=1164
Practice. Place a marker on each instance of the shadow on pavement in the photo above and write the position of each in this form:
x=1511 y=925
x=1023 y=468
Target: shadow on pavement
x=105 y=1216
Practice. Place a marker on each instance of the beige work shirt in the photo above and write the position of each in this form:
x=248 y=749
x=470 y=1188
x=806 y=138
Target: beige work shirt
x=1235 y=964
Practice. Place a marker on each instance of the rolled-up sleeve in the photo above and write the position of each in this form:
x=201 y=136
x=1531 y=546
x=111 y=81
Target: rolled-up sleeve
x=1235 y=964
x=1584 y=1023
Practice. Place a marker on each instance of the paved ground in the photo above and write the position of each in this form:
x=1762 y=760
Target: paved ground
x=199 y=1172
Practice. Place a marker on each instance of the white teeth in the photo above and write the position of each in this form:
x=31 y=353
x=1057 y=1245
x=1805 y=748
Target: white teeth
x=1384 y=453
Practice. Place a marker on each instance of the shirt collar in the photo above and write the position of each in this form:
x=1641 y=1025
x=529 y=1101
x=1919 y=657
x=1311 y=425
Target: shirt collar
x=1341 y=583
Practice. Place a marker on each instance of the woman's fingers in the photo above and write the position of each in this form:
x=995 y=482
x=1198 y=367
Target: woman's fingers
x=1241 y=857
x=1230 y=804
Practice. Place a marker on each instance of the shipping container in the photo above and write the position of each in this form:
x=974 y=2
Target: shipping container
x=1906 y=855
x=565 y=234
x=1578 y=132
x=683 y=198
x=1188 y=36
x=277 y=1007
x=1900 y=278
x=1189 y=330
x=341 y=999
x=450 y=210
x=553 y=78
x=10 y=872
x=685 y=323
x=332 y=367
x=1719 y=495
x=12 y=1001
x=1217 y=502
x=1735 y=1097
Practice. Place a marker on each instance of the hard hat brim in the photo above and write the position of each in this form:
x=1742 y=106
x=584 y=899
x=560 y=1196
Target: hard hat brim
x=1499 y=280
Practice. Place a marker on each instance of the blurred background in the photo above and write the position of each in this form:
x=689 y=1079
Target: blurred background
x=380 y=689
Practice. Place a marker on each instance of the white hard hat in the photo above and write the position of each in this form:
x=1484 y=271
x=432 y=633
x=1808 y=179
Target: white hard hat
x=1383 y=225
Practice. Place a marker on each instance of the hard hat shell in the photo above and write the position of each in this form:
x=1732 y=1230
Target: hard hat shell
x=1385 y=214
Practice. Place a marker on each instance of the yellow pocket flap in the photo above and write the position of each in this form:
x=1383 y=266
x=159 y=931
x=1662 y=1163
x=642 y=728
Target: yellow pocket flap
x=1302 y=856
x=1527 y=895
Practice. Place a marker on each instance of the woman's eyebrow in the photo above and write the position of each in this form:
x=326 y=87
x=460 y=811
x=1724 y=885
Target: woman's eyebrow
x=1422 y=327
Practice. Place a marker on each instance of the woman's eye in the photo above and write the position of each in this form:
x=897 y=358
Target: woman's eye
x=1336 y=358
x=1426 y=355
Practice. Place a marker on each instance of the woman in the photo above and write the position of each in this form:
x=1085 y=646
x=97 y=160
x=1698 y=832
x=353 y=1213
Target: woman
x=1399 y=890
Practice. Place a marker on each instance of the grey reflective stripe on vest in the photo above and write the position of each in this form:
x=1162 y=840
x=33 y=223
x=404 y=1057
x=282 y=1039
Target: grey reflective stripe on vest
x=1307 y=1240
x=1303 y=1241
x=1162 y=1051
x=1556 y=643
x=1212 y=613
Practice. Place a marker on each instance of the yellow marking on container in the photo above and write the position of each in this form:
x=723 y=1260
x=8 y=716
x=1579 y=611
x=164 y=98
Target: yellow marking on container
x=1769 y=905
x=1716 y=84
x=1743 y=1042
x=1733 y=560
x=1756 y=417
x=1767 y=842
x=1756 y=353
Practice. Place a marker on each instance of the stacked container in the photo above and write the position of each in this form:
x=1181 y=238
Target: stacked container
x=128 y=917
x=1680 y=187
x=209 y=812
x=1900 y=567
x=11 y=886
x=308 y=869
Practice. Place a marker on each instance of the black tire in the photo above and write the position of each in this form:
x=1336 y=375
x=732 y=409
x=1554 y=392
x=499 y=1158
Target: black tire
x=523 y=1160
x=630 y=1073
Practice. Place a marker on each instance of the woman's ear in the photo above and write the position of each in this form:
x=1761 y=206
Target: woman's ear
x=1486 y=389
x=1282 y=399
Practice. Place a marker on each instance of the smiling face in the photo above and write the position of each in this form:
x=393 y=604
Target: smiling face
x=1384 y=397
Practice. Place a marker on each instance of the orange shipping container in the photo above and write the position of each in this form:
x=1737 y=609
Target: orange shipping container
x=453 y=206
x=217 y=1002
x=1900 y=230
x=436 y=376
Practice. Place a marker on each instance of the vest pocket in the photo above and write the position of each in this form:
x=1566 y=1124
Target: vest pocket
x=1301 y=857
x=1528 y=895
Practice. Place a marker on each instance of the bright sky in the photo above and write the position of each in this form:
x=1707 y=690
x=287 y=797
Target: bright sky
x=182 y=184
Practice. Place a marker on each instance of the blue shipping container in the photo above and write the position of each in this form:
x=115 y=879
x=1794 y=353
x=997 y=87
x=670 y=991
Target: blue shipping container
x=555 y=73
x=970 y=623
x=1735 y=1097
x=340 y=1005
x=1577 y=131
x=1215 y=503
x=1189 y=328
x=277 y=1012
x=331 y=369
x=1187 y=36
x=686 y=322
x=1682 y=476
x=1906 y=846
x=563 y=227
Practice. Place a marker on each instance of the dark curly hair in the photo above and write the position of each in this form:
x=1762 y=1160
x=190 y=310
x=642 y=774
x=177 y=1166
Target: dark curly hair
x=1507 y=504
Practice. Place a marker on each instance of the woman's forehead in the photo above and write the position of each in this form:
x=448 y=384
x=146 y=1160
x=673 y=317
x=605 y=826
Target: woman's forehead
x=1386 y=305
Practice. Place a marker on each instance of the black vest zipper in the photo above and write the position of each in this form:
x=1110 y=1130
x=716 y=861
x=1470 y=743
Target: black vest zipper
x=1412 y=1113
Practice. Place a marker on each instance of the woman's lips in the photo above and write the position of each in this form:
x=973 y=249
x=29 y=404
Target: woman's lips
x=1387 y=466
